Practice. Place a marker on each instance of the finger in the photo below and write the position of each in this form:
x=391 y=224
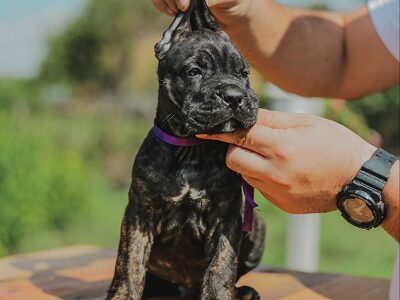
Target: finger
x=258 y=138
x=246 y=162
x=172 y=5
x=281 y=120
x=183 y=5
x=161 y=6
x=255 y=182
x=280 y=197
x=212 y=3
x=268 y=192
x=262 y=187
x=249 y=163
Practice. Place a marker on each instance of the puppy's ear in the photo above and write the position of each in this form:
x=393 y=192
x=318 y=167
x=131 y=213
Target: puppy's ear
x=178 y=26
x=195 y=18
x=201 y=17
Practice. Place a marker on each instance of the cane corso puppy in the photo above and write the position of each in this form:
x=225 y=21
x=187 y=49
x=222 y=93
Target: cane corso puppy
x=183 y=223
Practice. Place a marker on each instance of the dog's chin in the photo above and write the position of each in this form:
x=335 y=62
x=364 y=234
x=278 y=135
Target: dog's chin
x=228 y=126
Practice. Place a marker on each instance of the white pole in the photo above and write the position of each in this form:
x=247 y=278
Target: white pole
x=302 y=240
x=302 y=243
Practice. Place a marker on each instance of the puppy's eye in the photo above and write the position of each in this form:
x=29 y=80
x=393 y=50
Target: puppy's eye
x=245 y=73
x=194 y=72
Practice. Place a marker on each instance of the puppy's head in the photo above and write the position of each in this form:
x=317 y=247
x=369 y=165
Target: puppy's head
x=204 y=84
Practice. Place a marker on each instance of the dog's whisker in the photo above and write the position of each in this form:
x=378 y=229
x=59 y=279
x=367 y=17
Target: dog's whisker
x=167 y=118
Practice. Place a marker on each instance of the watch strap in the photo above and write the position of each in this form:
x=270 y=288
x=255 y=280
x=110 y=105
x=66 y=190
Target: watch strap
x=375 y=172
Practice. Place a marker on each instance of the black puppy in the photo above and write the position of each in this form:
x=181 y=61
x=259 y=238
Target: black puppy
x=183 y=220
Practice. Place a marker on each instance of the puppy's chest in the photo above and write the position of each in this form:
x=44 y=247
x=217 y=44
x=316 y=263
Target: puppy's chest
x=193 y=203
x=198 y=189
x=189 y=195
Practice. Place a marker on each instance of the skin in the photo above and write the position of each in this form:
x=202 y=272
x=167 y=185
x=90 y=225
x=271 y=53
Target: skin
x=310 y=53
x=278 y=157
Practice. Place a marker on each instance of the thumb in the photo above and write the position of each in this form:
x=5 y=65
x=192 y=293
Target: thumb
x=211 y=3
x=282 y=120
x=183 y=5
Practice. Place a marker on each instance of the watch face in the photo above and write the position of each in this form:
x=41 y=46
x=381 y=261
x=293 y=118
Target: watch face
x=358 y=210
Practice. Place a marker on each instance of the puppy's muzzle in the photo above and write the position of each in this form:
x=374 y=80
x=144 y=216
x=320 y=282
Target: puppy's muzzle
x=231 y=94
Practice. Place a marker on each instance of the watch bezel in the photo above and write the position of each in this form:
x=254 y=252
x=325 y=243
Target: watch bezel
x=372 y=199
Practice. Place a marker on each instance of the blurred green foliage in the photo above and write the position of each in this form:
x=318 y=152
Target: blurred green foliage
x=381 y=111
x=95 y=49
x=50 y=158
x=338 y=111
x=41 y=182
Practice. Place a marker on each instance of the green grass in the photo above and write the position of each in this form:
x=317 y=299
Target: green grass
x=344 y=248
x=97 y=224
x=349 y=250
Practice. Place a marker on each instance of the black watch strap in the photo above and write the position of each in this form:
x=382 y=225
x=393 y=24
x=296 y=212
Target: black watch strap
x=375 y=171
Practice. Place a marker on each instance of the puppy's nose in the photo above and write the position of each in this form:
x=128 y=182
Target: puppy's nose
x=232 y=94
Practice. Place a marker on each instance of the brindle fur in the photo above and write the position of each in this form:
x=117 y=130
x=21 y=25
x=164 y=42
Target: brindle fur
x=184 y=216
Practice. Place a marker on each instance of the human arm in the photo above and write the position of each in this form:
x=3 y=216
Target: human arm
x=311 y=53
x=391 y=194
x=300 y=162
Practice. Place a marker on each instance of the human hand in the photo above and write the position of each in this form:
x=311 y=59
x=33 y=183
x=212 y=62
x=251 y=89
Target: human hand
x=225 y=11
x=298 y=162
x=240 y=19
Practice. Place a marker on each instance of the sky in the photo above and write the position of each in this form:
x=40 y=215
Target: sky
x=25 y=26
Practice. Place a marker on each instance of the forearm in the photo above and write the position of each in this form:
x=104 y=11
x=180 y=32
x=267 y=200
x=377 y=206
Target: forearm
x=391 y=195
x=313 y=53
x=299 y=50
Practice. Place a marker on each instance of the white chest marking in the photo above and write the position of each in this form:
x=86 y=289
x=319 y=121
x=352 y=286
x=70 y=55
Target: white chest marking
x=185 y=189
x=193 y=193
x=196 y=194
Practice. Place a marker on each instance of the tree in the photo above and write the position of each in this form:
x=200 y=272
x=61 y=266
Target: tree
x=95 y=48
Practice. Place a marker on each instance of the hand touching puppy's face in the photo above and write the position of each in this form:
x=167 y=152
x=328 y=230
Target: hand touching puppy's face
x=203 y=80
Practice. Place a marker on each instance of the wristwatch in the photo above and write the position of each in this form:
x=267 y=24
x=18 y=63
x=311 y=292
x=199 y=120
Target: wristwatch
x=360 y=201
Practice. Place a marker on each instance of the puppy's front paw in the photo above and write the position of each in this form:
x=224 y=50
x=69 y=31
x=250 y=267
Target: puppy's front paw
x=247 y=293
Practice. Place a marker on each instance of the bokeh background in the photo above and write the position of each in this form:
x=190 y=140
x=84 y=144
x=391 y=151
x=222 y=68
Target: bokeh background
x=77 y=95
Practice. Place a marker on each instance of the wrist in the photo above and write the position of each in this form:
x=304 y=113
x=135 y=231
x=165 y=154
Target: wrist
x=391 y=198
x=356 y=162
x=371 y=198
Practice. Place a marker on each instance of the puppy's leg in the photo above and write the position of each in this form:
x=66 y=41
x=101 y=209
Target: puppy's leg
x=251 y=250
x=133 y=254
x=220 y=276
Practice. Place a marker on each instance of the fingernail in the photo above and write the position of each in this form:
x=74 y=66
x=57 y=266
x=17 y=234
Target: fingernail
x=183 y=4
x=202 y=135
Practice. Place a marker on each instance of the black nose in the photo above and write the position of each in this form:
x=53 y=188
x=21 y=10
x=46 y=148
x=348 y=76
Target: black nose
x=231 y=94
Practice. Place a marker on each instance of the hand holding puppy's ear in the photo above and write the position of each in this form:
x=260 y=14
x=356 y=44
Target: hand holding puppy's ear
x=171 y=7
x=196 y=17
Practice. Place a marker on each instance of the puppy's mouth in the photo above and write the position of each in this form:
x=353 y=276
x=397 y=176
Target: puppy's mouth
x=220 y=112
x=230 y=107
x=230 y=126
x=220 y=124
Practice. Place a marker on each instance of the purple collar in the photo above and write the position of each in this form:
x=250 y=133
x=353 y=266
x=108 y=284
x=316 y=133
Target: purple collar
x=248 y=190
x=175 y=140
